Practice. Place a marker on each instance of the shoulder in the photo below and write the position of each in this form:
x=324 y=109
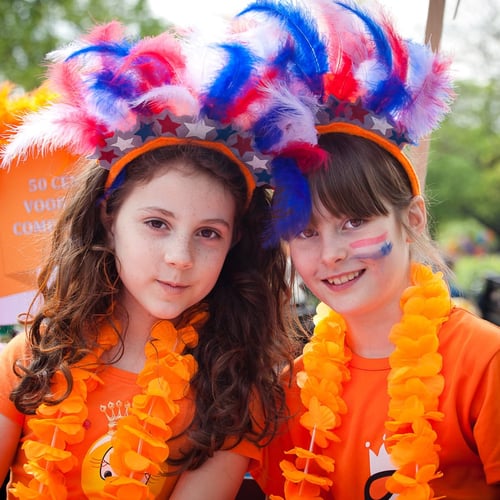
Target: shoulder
x=467 y=336
x=465 y=323
x=16 y=348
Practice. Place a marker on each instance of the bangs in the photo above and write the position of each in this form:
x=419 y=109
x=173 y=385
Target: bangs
x=361 y=178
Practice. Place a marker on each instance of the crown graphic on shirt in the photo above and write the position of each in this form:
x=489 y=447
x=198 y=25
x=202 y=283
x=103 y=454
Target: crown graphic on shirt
x=379 y=461
x=114 y=411
x=380 y=468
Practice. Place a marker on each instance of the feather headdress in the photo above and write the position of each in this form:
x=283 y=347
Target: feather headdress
x=255 y=101
x=348 y=66
x=379 y=86
x=115 y=98
x=285 y=56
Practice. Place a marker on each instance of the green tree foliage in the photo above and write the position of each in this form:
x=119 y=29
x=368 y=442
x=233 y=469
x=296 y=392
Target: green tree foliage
x=463 y=179
x=29 y=29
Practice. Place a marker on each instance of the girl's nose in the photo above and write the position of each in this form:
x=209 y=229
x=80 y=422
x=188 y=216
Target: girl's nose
x=333 y=250
x=178 y=253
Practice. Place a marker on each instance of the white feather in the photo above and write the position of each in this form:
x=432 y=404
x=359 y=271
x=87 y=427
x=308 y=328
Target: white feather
x=45 y=131
x=297 y=122
x=174 y=97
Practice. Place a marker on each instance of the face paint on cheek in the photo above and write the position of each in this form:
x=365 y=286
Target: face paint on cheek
x=383 y=251
x=366 y=242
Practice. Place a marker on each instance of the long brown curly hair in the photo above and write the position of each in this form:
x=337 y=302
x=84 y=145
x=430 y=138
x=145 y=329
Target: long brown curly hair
x=243 y=346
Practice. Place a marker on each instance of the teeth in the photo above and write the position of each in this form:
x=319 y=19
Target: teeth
x=343 y=279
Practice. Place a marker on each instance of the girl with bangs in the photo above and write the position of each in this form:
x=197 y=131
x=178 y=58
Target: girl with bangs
x=396 y=392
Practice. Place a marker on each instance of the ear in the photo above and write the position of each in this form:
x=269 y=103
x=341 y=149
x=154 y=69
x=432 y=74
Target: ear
x=417 y=215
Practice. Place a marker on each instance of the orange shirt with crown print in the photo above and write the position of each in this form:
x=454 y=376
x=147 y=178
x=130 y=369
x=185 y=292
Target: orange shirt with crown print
x=105 y=404
x=469 y=435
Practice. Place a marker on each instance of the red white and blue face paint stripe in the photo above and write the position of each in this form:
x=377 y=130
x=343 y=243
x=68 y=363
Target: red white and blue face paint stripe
x=377 y=247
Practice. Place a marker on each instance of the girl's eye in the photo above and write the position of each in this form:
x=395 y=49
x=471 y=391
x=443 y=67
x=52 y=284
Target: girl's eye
x=156 y=223
x=307 y=233
x=209 y=234
x=354 y=223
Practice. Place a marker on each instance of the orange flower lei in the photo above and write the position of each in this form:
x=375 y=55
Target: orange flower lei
x=414 y=387
x=139 y=442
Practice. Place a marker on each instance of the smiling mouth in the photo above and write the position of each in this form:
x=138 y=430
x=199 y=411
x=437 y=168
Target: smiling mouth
x=345 y=278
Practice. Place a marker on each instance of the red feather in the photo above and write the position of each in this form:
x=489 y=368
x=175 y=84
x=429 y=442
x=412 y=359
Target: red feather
x=341 y=83
x=399 y=52
x=308 y=157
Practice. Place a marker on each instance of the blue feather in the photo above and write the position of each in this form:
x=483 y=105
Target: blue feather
x=109 y=84
x=118 y=49
x=389 y=93
x=224 y=91
x=379 y=38
x=291 y=200
x=119 y=85
x=310 y=58
x=109 y=87
x=266 y=129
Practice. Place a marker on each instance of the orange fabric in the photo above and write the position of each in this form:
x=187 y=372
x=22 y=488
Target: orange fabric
x=168 y=141
x=469 y=434
x=32 y=194
x=91 y=453
x=350 y=128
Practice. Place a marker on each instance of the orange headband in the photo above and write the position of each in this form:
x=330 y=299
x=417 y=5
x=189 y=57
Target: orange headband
x=159 y=142
x=349 y=128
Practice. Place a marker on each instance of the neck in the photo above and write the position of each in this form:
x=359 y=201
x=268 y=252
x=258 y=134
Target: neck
x=135 y=335
x=368 y=336
x=131 y=358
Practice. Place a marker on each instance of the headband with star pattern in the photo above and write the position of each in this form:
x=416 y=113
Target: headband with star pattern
x=116 y=98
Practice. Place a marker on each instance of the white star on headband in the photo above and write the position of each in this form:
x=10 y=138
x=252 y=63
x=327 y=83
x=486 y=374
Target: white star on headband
x=123 y=144
x=381 y=125
x=198 y=129
x=258 y=164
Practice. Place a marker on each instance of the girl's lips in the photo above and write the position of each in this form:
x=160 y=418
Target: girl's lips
x=172 y=285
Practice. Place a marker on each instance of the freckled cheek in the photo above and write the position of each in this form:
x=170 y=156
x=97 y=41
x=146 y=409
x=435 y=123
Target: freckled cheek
x=210 y=257
x=133 y=256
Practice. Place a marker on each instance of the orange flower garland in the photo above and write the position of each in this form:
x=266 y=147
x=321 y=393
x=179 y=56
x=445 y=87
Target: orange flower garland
x=325 y=370
x=414 y=387
x=139 y=442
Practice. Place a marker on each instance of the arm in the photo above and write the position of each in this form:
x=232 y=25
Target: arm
x=11 y=421
x=11 y=434
x=219 y=478
x=486 y=427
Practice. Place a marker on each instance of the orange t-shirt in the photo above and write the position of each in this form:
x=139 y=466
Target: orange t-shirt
x=105 y=404
x=469 y=435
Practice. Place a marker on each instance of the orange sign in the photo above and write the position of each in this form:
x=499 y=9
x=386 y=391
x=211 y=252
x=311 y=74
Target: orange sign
x=32 y=194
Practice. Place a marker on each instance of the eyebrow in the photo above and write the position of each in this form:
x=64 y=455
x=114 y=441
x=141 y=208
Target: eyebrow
x=168 y=213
